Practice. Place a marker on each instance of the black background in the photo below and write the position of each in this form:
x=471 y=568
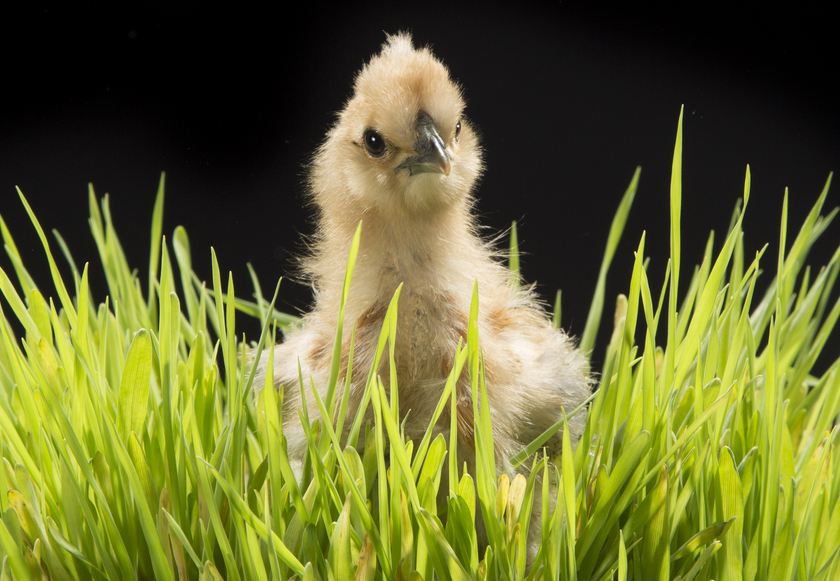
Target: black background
x=570 y=97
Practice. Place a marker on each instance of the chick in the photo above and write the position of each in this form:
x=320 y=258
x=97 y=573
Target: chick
x=404 y=159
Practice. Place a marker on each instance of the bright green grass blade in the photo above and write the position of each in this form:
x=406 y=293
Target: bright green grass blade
x=66 y=303
x=72 y=550
x=176 y=529
x=157 y=232
x=622 y=559
x=181 y=247
x=134 y=388
x=538 y=443
x=731 y=501
x=806 y=513
x=593 y=320
x=628 y=331
x=340 y=551
x=666 y=379
x=445 y=561
x=335 y=364
x=382 y=471
x=397 y=448
x=259 y=312
x=257 y=291
x=655 y=549
x=65 y=250
x=19 y=308
x=257 y=353
x=704 y=537
x=26 y=282
x=568 y=488
x=460 y=360
x=11 y=548
x=220 y=534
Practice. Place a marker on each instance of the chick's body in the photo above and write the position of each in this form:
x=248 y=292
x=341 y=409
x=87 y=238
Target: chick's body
x=403 y=160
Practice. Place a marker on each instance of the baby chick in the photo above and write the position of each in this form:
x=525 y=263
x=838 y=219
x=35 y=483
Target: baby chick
x=403 y=159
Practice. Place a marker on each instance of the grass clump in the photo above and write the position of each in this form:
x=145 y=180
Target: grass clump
x=132 y=446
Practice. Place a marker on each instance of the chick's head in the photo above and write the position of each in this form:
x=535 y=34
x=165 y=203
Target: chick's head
x=401 y=146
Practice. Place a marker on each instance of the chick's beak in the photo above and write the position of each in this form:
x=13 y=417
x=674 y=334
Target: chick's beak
x=431 y=150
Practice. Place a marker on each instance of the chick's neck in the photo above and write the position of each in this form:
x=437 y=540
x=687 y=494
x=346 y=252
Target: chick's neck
x=430 y=255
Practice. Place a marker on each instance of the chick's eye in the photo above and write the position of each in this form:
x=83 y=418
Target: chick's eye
x=457 y=130
x=374 y=142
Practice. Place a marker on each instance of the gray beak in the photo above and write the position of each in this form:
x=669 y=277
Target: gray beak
x=431 y=150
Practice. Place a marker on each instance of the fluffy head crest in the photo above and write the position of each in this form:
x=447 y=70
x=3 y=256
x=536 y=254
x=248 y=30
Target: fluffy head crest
x=401 y=77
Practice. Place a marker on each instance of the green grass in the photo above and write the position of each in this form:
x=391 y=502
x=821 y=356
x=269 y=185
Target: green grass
x=133 y=448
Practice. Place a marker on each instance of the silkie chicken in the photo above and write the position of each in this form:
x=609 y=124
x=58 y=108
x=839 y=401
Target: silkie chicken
x=403 y=159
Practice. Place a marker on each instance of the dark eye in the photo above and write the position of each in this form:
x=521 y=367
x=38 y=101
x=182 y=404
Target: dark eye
x=457 y=130
x=374 y=142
